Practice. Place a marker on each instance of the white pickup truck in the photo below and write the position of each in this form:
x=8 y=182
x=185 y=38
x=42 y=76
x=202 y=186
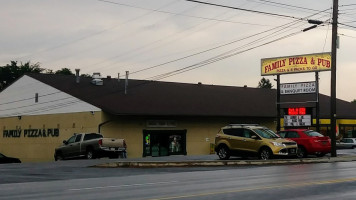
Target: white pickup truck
x=90 y=145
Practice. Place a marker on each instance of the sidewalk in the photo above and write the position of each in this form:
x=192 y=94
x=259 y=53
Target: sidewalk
x=213 y=160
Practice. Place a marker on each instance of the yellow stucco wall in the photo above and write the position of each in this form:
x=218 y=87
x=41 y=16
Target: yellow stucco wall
x=41 y=148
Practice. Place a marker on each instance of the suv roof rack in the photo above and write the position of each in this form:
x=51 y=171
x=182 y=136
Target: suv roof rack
x=243 y=125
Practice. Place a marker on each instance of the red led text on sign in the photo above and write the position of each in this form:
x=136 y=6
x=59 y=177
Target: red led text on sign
x=297 y=111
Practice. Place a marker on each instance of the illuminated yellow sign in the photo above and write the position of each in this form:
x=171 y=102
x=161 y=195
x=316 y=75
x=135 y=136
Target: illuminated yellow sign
x=296 y=64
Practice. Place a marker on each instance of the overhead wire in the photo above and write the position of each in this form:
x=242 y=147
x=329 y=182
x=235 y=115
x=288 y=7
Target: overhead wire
x=246 y=10
x=284 y=5
x=184 y=15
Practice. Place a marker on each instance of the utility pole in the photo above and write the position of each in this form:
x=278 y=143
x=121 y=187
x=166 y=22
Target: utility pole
x=333 y=79
x=278 y=103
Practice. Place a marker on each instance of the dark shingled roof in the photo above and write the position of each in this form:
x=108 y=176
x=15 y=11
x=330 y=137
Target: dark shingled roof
x=180 y=99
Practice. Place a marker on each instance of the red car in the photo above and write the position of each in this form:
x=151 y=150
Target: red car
x=309 y=142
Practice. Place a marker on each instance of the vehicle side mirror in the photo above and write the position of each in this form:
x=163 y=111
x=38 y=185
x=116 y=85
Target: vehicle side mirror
x=254 y=137
x=65 y=142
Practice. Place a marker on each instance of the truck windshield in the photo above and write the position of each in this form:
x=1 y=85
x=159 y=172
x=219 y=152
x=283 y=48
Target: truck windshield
x=266 y=133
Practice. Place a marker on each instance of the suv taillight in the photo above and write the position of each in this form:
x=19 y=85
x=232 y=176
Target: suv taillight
x=101 y=142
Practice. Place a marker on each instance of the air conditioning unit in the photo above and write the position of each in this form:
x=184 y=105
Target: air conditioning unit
x=97 y=79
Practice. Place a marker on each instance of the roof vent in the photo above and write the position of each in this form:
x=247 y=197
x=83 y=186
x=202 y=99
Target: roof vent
x=97 y=79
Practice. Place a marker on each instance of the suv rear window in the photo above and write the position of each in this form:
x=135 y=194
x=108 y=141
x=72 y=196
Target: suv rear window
x=313 y=133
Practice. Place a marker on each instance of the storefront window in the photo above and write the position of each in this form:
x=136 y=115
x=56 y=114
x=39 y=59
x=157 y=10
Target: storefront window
x=164 y=142
x=348 y=131
x=175 y=144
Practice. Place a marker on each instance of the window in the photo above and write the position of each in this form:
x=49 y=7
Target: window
x=312 y=133
x=248 y=133
x=77 y=139
x=71 y=140
x=266 y=133
x=91 y=136
x=282 y=134
x=234 y=132
x=293 y=134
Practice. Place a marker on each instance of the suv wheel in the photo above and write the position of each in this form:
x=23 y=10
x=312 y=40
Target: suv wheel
x=223 y=152
x=265 y=154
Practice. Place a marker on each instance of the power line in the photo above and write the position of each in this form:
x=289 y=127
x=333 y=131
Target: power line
x=287 y=5
x=347 y=35
x=347 y=5
x=242 y=9
x=347 y=25
x=191 y=16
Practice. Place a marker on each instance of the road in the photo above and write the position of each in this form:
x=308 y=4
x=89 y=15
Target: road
x=73 y=180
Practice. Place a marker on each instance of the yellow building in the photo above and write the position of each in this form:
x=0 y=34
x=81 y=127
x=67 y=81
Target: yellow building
x=39 y=111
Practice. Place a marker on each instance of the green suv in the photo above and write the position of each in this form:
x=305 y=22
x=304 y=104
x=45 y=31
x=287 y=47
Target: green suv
x=246 y=140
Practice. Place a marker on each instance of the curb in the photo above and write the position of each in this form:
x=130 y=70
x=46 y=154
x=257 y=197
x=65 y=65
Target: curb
x=219 y=163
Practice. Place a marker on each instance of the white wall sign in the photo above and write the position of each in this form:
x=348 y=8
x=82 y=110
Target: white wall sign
x=297 y=120
x=298 y=88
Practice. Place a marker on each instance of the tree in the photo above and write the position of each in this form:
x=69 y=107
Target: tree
x=12 y=71
x=264 y=83
x=64 y=71
x=353 y=101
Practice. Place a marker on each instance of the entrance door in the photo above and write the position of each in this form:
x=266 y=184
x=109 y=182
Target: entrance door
x=164 y=142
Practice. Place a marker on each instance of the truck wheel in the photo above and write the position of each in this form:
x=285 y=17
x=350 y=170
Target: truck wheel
x=90 y=154
x=58 y=157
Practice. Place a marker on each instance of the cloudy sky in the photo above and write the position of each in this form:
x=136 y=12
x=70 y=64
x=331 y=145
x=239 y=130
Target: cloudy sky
x=177 y=40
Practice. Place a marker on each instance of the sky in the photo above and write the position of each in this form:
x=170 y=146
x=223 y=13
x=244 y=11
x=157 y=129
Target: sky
x=178 y=40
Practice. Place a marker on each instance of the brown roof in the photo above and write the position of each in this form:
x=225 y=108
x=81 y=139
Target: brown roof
x=179 y=99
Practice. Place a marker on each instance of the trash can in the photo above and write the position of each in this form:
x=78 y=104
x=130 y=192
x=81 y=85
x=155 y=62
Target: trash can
x=155 y=151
